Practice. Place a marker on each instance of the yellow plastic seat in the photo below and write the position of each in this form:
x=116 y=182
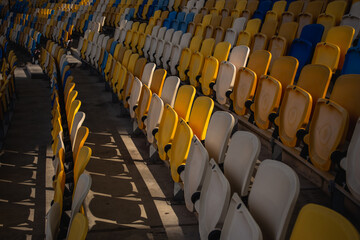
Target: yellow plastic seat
x=262 y=38
x=259 y=62
x=321 y=223
x=328 y=21
x=294 y=114
x=59 y=189
x=157 y=82
x=81 y=163
x=293 y=11
x=315 y=80
x=80 y=140
x=143 y=107
x=244 y=90
x=197 y=60
x=328 y=128
x=74 y=108
x=341 y=36
x=267 y=100
x=180 y=147
x=246 y=37
x=115 y=76
x=277 y=9
x=239 y=8
x=219 y=32
x=186 y=56
x=139 y=67
x=280 y=43
x=251 y=7
x=210 y=29
x=79 y=227
x=184 y=101
x=336 y=9
x=200 y=116
x=197 y=19
x=211 y=66
x=346 y=93
x=327 y=54
x=72 y=96
x=166 y=130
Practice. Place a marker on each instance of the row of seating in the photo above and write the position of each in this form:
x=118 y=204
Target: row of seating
x=66 y=216
x=7 y=86
x=283 y=69
x=175 y=130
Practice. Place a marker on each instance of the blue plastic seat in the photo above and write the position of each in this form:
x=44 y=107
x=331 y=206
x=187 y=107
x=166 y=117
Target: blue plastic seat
x=184 y=24
x=112 y=48
x=169 y=19
x=302 y=50
x=263 y=7
x=175 y=24
x=312 y=33
x=130 y=15
x=352 y=61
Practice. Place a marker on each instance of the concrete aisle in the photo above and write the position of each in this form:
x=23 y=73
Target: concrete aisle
x=129 y=199
x=23 y=202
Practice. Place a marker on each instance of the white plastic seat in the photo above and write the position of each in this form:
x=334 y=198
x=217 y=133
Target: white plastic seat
x=239 y=224
x=352 y=21
x=82 y=188
x=148 y=72
x=154 y=116
x=240 y=159
x=160 y=45
x=77 y=123
x=173 y=59
x=272 y=197
x=169 y=91
x=194 y=174
x=154 y=42
x=232 y=33
x=224 y=81
x=218 y=133
x=214 y=200
x=239 y=56
x=147 y=45
x=52 y=222
x=134 y=96
x=168 y=47
x=352 y=163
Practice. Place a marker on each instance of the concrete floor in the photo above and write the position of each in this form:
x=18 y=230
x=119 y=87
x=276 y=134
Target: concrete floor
x=130 y=197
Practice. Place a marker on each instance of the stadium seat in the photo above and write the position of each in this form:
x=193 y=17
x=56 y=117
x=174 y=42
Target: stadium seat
x=327 y=54
x=240 y=159
x=218 y=134
x=152 y=119
x=79 y=227
x=318 y=222
x=238 y=222
x=200 y=116
x=214 y=200
x=352 y=61
x=53 y=222
x=224 y=81
x=184 y=101
x=164 y=134
x=170 y=89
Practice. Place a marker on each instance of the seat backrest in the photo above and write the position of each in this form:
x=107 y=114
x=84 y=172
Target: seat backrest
x=170 y=89
x=336 y=9
x=221 y=51
x=284 y=70
x=52 y=222
x=253 y=26
x=184 y=101
x=207 y=47
x=288 y=31
x=157 y=81
x=195 y=169
x=140 y=67
x=313 y=219
x=74 y=108
x=259 y=62
x=224 y=81
x=345 y=93
x=240 y=159
x=315 y=79
x=239 y=56
x=78 y=121
x=239 y=24
x=269 y=28
x=79 y=227
x=218 y=134
x=238 y=222
x=280 y=184
x=327 y=54
x=214 y=200
x=154 y=116
x=143 y=105
x=167 y=128
x=80 y=193
x=352 y=61
x=180 y=148
x=294 y=114
x=341 y=36
x=333 y=120
x=132 y=62
x=200 y=116
x=314 y=8
x=82 y=161
x=147 y=74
